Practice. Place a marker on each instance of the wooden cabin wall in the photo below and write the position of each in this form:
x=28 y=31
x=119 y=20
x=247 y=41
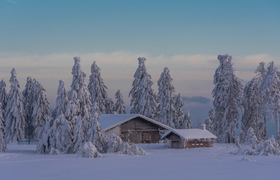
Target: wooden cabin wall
x=139 y=130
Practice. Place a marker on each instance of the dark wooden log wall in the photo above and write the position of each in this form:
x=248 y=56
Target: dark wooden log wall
x=134 y=130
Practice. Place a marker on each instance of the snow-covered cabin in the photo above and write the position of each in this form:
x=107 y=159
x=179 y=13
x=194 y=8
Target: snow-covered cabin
x=134 y=128
x=189 y=138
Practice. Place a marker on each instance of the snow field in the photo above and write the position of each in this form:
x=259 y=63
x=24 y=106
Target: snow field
x=22 y=162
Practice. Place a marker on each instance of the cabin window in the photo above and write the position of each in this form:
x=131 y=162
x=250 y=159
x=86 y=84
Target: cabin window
x=146 y=137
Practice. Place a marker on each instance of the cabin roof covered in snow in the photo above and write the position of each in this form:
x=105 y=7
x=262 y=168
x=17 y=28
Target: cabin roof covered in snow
x=108 y=121
x=187 y=134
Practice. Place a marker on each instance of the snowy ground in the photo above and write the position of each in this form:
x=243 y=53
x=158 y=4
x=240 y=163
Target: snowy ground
x=21 y=162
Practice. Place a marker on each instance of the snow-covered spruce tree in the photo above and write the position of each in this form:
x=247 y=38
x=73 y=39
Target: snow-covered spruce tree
x=210 y=120
x=119 y=104
x=179 y=103
x=109 y=106
x=271 y=93
x=187 y=123
x=79 y=98
x=254 y=112
x=95 y=135
x=165 y=98
x=27 y=101
x=79 y=93
x=143 y=98
x=40 y=108
x=3 y=94
x=61 y=100
x=227 y=95
x=79 y=134
x=14 y=111
x=47 y=135
x=3 y=145
x=62 y=134
x=97 y=89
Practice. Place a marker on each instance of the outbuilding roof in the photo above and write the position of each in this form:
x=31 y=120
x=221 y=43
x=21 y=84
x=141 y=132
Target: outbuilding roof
x=187 y=134
x=108 y=121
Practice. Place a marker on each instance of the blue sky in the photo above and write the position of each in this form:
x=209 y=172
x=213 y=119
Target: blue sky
x=40 y=38
x=155 y=26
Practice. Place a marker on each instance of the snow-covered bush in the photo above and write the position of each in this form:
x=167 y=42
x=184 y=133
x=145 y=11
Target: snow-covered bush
x=114 y=143
x=89 y=151
x=131 y=149
x=267 y=147
x=251 y=138
x=54 y=151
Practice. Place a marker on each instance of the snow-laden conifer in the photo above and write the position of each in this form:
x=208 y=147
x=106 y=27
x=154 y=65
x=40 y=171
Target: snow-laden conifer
x=79 y=134
x=271 y=93
x=3 y=144
x=62 y=134
x=47 y=135
x=95 y=135
x=210 y=120
x=186 y=123
x=254 y=112
x=143 y=98
x=79 y=96
x=3 y=94
x=109 y=106
x=119 y=104
x=227 y=96
x=61 y=100
x=179 y=104
x=269 y=146
x=40 y=108
x=14 y=111
x=97 y=89
x=166 y=99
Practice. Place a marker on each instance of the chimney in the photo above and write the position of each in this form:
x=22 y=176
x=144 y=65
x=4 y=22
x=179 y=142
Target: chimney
x=203 y=126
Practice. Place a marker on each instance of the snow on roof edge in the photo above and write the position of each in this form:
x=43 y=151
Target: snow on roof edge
x=177 y=133
x=138 y=115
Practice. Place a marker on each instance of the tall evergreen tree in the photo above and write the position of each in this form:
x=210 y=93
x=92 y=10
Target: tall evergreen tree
x=210 y=120
x=61 y=100
x=79 y=100
x=63 y=137
x=3 y=144
x=166 y=98
x=40 y=108
x=271 y=93
x=95 y=135
x=97 y=89
x=143 y=98
x=47 y=135
x=14 y=111
x=27 y=103
x=3 y=94
x=79 y=134
x=179 y=104
x=227 y=96
x=79 y=96
x=187 y=123
x=109 y=106
x=119 y=104
x=253 y=116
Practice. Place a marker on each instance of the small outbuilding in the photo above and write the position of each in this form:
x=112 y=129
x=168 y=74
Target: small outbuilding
x=189 y=138
x=134 y=128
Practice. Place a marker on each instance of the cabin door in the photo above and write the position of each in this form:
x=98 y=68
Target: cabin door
x=175 y=144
